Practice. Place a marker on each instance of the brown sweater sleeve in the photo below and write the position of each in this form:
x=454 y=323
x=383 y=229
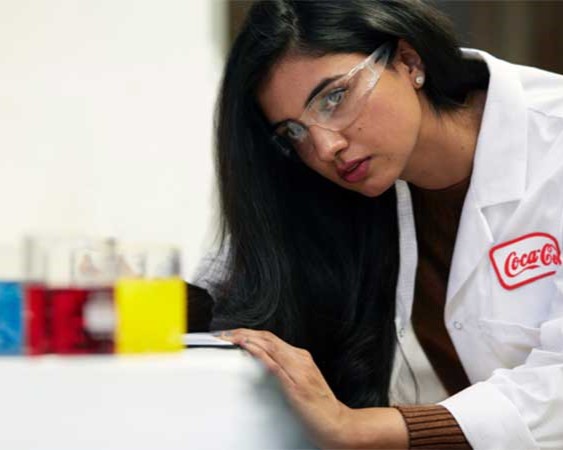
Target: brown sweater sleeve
x=432 y=427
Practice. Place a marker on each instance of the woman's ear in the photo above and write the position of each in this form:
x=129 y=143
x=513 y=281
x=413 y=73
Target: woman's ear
x=409 y=59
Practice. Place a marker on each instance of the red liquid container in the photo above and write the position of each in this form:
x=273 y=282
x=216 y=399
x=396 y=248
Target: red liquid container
x=83 y=320
x=38 y=320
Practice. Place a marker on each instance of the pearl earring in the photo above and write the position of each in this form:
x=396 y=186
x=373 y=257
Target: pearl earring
x=419 y=80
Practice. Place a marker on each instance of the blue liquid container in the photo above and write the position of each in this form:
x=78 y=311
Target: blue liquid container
x=11 y=318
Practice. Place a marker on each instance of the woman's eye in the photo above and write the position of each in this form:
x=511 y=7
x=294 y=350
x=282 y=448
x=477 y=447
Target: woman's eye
x=295 y=132
x=334 y=98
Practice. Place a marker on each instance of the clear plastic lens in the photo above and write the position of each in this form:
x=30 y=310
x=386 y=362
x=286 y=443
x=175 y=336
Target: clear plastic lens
x=295 y=131
x=339 y=103
x=330 y=101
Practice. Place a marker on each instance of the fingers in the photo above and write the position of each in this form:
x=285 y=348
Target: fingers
x=269 y=349
x=270 y=363
x=289 y=357
x=294 y=366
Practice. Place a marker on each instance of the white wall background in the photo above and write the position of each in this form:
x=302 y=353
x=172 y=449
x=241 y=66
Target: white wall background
x=106 y=119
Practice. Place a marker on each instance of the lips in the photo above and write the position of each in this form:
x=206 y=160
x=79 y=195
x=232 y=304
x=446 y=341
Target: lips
x=355 y=170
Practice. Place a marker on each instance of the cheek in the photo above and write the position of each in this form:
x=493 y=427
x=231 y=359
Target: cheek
x=394 y=122
x=322 y=168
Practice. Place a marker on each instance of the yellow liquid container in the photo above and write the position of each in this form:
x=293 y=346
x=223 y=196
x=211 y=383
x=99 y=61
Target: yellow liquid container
x=151 y=314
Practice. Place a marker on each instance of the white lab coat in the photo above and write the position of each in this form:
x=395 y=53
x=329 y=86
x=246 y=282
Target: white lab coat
x=504 y=311
x=505 y=319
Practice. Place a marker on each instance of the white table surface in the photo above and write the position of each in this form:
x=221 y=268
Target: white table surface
x=200 y=398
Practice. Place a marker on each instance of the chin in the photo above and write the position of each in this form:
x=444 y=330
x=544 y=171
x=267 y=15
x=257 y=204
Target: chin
x=373 y=189
x=370 y=193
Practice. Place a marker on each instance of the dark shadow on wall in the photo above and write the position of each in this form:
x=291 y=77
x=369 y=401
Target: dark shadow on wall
x=525 y=32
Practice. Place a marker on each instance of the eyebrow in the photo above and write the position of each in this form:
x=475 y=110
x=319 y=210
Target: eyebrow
x=318 y=88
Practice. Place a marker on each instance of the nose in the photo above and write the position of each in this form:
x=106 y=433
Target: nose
x=327 y=143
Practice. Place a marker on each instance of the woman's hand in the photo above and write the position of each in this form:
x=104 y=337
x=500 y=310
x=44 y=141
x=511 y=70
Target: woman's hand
x=302 y=382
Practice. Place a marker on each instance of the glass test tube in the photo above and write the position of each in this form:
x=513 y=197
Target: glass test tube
x=79 y=280
x=151 y=299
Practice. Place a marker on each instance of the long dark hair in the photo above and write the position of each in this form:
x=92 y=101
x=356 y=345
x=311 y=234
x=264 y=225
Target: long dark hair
x=312 y=262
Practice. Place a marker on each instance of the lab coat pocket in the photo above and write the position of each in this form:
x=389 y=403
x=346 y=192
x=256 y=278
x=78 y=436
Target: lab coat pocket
x=510 y=342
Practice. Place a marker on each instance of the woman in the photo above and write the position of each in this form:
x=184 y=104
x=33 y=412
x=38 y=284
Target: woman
x=357 y=147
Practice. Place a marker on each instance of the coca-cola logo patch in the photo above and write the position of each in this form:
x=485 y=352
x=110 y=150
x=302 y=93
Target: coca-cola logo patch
x=525 y=259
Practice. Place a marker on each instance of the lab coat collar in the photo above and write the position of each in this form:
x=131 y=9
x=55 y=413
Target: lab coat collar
x=499 y=168
x=499 y=165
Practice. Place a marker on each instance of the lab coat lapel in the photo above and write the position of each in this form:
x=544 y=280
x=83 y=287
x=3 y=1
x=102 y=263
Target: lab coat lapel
x=473 y=240
x=499 y=168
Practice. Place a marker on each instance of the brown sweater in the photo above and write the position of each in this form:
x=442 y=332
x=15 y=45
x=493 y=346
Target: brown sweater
x=437 y=214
